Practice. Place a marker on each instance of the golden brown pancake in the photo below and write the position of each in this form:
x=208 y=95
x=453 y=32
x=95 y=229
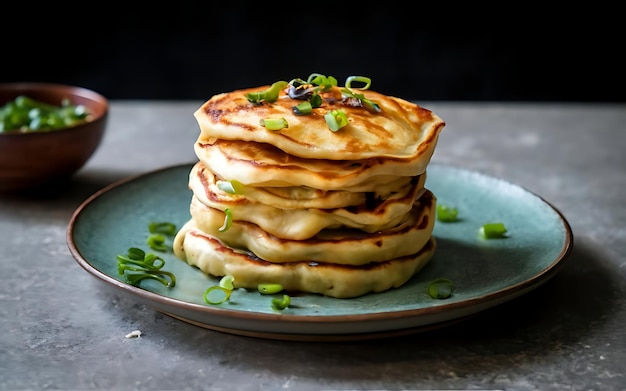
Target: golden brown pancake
x=211 y=256
x=256 y=164
x=204 y=183
x=303 y=223
x=340 y=245
x=401 y=130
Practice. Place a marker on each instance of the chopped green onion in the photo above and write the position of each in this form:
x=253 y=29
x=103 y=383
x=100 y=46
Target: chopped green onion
x=228 y=220
x=360 y=79
x=316 y=100
x=368 y=104
x=280 y=304
x=316 y=78
x=137 y=265
x=274 y=123
x=336 y=119
x=231 y=187
x=153 y=261
x=157 y=242
x=136 y=253
x=216 y=295
x=137 y=256
x=226 y=282
x=269 y=95
x=493 y=230
x=165 y=228
x=159 y=230
x=220 y=293
x=325 y=82
x=268 y=289
x=447 y=213
x=303 y=108
x=24 y=114
x=256 y=97
x=440 y=288
x=135 y=278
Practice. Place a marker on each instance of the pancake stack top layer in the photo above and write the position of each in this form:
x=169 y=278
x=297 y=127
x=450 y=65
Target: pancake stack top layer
x=311 y=185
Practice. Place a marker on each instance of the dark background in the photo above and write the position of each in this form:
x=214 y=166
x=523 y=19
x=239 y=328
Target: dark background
x=192 y=50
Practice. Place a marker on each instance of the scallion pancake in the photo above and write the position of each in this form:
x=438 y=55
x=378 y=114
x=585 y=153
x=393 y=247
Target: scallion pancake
x=339 y=245
x=210 y=255
x=400 y=130
x=263 y=165
x=313 y=186
x=303 y=223
x=204 y=183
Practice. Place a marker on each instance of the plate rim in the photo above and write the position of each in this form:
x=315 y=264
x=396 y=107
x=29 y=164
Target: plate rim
x=487 y=300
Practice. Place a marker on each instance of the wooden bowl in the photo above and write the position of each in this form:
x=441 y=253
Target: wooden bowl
x=37 y=159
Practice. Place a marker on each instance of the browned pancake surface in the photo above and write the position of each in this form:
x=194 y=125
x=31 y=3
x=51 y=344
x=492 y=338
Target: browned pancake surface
x=401 y=129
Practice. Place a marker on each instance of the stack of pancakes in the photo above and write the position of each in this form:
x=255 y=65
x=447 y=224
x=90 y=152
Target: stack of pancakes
x=340 y=213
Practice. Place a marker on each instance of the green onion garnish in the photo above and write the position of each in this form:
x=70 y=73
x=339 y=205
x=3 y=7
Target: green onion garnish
x=228 y=220
x=138 y=257
x=309 y=91
x=256 y=97
x=447 y=213
x=274 y=123
x=269 y=95
x=316 y=78
x=336 y=119
x=316 y=100
x=326 y=82
x=303 y=108
x=280 y=304
x=368 y=104
x=231 y=187
x=220 y=293
x=138 y=265
x=216 y=295
x=268 y=289
x=159 y=230
x=25 y=114
x=493 y=230
x=360 y=79
x=157 y=242
x=162 y=227
x=226 y=282
x=440 y=288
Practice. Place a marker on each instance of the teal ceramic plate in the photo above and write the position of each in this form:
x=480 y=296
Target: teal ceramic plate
x=486 y=273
